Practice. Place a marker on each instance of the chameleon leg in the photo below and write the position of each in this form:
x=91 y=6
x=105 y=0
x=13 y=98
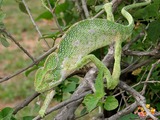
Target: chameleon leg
x=116 y=68
x=46 y=103
x=108 y=10
x=100 y=66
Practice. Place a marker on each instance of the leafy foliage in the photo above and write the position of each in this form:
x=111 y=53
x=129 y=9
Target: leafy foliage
x=147 y=19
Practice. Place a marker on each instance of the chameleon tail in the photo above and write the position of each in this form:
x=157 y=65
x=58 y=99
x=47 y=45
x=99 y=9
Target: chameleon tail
x=127 y=15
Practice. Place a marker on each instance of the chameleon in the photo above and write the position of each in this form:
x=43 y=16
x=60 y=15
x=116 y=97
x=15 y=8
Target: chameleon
x=74 y=51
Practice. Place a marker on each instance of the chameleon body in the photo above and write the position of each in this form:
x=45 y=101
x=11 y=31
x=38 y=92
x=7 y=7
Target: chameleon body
x=81 y=39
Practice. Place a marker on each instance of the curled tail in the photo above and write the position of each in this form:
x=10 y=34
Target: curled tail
x=127 y=15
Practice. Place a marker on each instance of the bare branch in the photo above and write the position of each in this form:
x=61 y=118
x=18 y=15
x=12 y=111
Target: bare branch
x=149 y=75
x=64 y=103
x=13 y=39
x=34 y=23
x=125 y=111
x=139 y=98
x=85 y=9
x=29 y=66
x=51 y=10
x=25 y=102
x=115 y=5
x=77 y=4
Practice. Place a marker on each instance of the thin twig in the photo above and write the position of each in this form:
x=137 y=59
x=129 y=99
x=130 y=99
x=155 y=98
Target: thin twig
x=34 y=23
x=115 y=5
x=64 y=103
x=125 y=111
x=85 y=9
x=139 y=98
x=77 y=4
x=148 y=76
x=29 y=66
x=25 y=102
x=54 y=16
x=14 y=40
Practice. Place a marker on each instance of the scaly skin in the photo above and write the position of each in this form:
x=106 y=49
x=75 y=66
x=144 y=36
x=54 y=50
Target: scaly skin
x=80 y=40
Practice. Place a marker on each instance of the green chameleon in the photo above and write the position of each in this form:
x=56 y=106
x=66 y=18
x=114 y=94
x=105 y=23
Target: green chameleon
x=81 y=39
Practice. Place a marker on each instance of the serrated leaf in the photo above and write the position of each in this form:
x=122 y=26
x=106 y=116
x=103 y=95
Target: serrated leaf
x=22 y=7
x=4 y=42
x=6 y=113
x=111 y=103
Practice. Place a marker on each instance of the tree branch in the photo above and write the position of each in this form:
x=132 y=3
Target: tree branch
x=13 y=39
x=29 y=66
x=34 y=23
x=85 y=9
x=51 y=10
x=64 y=103
x=25 y=102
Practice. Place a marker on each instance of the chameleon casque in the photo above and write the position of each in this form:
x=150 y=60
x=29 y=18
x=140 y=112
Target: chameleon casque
x=81 y=39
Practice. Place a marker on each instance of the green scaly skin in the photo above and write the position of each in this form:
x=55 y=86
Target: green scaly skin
x=80 y=40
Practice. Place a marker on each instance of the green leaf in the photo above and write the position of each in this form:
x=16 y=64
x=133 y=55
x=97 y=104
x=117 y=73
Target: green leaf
x=28 y=118
x=22 y=7
x=2 y=26
x=91 y=102
x=154 y=30
x=2 y=16
x=70 y=87
x=91 y=2
x=30 y=70
x=84 y=111
x=149 y=11
x=98 y=8
x=63 y=7
x=158 y=106
x=6 y=114
x=45 y=15
x=111 y=103
x=74 y=78
x=130 y=116
x=4 y=42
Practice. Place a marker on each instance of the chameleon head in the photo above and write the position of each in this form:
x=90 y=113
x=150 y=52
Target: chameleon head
x=46 y=80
